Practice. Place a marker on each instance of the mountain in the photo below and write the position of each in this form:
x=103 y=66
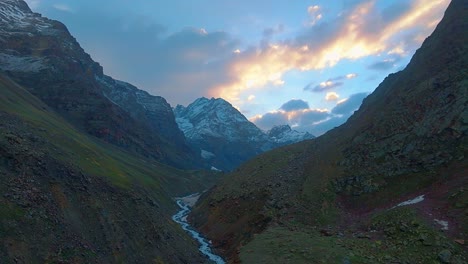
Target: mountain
x=67 y=197
x=224 y=137
x=388 y=186
x=41 y=55
x=284 y=135
x=80 y=177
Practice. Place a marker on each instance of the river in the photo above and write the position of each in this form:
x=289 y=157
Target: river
x=180 y=217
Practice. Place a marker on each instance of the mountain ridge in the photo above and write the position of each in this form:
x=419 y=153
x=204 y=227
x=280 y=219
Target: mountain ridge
x=225 y=137
x=41 y=55
x=342 y=189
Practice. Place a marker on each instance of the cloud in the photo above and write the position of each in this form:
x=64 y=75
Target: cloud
x=33 y=4
x=310 y=117
x=300 y=119
x=269 y=120
x=315 y=121
x=348 y=106
x=351 y=75
x=382 y=65
x=295 y=113
x=294 y=105
x=386 y=64
x=332 y=96
x=251 y=98
x=62 y=7
x=331 y=83
x=314 y=13
x=323 y=86
x=180 y=66
x=364 y=31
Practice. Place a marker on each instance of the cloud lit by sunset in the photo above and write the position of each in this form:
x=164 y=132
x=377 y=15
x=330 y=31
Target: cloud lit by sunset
x=257 y=58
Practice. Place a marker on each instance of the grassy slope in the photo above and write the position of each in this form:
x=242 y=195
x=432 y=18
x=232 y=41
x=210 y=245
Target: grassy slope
x=93 y=156
x=425 y=106
x=69 y=197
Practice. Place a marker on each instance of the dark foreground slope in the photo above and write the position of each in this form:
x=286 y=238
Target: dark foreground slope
x=331 y=199
x=67 y=197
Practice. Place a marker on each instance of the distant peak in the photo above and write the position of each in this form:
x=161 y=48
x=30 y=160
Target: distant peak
x=280 y=128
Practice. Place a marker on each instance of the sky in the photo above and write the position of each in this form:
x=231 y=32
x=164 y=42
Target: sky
x=306 y=63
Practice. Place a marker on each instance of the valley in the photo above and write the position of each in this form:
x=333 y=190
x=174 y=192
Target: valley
x=97 y=170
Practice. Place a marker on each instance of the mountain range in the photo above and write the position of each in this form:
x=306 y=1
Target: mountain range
x=83 y=157
x=388 y=186
x=90 y=165
x=224 y=137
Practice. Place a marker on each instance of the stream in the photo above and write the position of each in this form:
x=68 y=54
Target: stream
x=181 y=218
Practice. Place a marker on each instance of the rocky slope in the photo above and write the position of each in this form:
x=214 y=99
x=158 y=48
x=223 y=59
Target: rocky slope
x=67 y=197
x=224 y=136
x=284 y=135
x=334 y=199
x=40 y=54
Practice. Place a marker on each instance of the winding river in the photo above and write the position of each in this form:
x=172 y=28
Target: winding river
x=181 y=218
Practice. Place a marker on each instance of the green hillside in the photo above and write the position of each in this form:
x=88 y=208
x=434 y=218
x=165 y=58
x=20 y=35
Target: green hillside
x=67 y=196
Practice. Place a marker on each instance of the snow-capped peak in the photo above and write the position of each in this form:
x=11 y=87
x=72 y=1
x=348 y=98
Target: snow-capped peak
x=283 y=134
x=17 y=18
x=215 y=117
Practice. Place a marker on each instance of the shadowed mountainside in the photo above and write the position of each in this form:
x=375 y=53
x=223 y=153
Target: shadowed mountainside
x=69 y=197
x=41 y=55
x=331 y=199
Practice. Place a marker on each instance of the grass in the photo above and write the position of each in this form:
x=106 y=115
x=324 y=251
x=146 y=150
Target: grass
x=399 y=236
x=280 y=245
x=93 y=156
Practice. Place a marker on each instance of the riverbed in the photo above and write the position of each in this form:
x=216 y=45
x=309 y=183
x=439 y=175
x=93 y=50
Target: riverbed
x=185 y=204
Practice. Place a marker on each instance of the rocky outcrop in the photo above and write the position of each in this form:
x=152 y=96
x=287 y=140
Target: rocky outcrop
x=284 y=135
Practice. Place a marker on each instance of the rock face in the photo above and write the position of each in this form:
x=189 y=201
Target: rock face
x=40 y=54
x=284 y=135
x=224 y=137
x=408 y=138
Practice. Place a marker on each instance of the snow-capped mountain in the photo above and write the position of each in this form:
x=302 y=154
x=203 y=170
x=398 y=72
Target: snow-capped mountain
x=284 y=135
x=224 y=136
x=216 y=118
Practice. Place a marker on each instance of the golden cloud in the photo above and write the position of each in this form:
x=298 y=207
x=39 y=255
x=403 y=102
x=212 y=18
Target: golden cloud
x=332 y=96
x=256 y=69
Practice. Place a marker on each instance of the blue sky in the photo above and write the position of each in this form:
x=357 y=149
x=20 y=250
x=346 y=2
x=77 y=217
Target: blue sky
x=305 y=63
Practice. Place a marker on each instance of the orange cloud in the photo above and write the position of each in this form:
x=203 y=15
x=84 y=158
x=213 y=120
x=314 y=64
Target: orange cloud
x=332 y=96
x=258 y=68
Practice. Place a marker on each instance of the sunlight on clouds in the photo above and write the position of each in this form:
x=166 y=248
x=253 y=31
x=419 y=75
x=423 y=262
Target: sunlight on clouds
x=422 y=13
x=356 y=37
x=313 y=12
x=351 y=76
x=251 y=98
x=332 y=96
x=313 y=9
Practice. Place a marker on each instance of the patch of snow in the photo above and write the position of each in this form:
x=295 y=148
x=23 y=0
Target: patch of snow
x=14 y=19
x=184 y=124
x=444 y=224
x=21 y=63
x=206 y=154
x=412 y=201
x=215 y=169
